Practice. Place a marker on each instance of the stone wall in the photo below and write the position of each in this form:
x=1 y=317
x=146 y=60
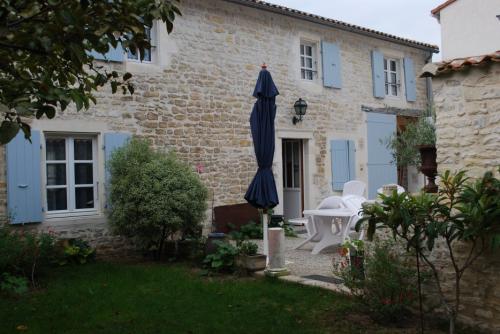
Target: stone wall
x=467 y=105
x=195 y=97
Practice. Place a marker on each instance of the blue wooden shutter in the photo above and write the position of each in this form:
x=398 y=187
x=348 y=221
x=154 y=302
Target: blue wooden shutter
x=378 y=74
x=411 y=87
x=332 y=71
x=343 y=162
x=114 y=54
x=112 y=141
x=24 y=183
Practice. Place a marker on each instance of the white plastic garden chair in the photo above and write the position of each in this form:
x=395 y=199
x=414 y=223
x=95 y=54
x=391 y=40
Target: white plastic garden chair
x=355 y=204
x=354 y=188
x=332 y=202
x=400 y=189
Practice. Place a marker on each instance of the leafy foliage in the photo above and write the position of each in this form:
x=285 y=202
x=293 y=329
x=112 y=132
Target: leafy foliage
x=464 y=214
x=223 y=259
x=25 y=253
x=77 y=251
x=389 y=287
x=153 y=196
x=45 y=49
x=248 y=248
x=404 y=146
x=13 y=284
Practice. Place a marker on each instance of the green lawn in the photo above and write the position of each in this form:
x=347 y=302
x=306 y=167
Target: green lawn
x=156 y=298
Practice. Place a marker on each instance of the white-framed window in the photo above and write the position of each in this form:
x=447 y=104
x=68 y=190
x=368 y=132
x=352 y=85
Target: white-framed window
x=308 y=61
x=148 y=53
x=392 y=73
x=70 y=174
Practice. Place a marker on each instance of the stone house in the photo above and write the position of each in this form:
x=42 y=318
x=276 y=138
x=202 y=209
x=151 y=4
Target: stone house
x=467 y=105
x=193 y=95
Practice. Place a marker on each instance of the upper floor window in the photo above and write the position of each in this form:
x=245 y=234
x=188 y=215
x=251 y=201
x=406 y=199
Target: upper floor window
x=71 y=183
x=148 y=31
x=307 y=61
x=392 y=77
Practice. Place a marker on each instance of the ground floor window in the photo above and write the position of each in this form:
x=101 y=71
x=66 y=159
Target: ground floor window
x=71 y=180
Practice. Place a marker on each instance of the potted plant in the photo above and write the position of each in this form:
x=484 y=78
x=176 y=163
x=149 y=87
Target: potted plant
x=355 y=252
x=249 y=259
x=415 y=145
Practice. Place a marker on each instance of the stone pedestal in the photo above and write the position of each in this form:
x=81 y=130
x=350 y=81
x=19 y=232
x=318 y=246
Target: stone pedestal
x=276 y=248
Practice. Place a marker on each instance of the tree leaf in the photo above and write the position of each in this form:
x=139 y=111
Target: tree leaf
x=8 y=130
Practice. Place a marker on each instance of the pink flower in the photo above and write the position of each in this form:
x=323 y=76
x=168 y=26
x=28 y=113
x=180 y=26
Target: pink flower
x=200 y=168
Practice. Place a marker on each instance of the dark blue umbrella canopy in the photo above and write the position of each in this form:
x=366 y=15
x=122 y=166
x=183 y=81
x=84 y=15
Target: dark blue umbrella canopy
x=262 y=192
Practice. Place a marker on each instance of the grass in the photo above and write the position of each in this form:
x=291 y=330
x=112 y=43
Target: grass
x=156 y=298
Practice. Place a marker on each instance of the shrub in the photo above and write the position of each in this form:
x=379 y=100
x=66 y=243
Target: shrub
x=153 y=196
x=223 y=260
x=248 y=248
x=389 y=286
x=25 y=253
x=77 y=251
x=13 y=284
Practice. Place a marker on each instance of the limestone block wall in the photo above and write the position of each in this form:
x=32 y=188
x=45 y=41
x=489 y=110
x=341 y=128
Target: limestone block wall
x=467 y=105
x=195 y=97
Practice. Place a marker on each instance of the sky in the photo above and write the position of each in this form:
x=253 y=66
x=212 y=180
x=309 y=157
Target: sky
x=405 y=18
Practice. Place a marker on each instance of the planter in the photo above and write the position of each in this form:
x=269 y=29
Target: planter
x=211 y=245
x=252 y=262
x=429 y=166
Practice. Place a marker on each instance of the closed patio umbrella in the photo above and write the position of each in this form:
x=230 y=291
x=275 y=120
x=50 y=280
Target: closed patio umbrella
x=262 y=192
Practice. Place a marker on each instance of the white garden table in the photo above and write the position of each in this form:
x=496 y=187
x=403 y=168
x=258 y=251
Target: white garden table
x=323 y=226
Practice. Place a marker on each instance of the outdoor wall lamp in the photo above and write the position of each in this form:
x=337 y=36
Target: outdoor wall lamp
x=300 y=107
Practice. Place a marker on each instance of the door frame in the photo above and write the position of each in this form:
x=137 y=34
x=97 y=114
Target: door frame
x=308 y=160
x=301 y=170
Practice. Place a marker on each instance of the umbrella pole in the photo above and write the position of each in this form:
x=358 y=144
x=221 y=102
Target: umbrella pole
x=265 y=220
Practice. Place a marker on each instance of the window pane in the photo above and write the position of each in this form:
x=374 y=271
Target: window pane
x=147 y=55
x=309 y=62
x=83 y=149
x=393 y=65
x=308 y=51
x=84 y=173
x=56 y=174
x=302 y=63
x=303 y=74
x=84 y=198
x=394 y=90
x=56 y=149
x=309 y=75
x=56 y=199
x=301 y=49
x=386 y=77
x=296 y=165
x=288 y=167
x=386 y=89
x=385 y=64
x=393 y=78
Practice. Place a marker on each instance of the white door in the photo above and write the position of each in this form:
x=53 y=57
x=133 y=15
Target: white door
x=292 y=178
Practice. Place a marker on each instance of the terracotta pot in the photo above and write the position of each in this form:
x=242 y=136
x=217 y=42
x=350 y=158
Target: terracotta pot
x=429 y=166
x=252 y=262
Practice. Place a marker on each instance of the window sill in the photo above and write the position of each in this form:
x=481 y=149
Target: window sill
x=72 y=215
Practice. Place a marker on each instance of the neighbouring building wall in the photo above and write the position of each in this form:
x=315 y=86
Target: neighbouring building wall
x=470 y=28
x=196 y=99
x=467 y=105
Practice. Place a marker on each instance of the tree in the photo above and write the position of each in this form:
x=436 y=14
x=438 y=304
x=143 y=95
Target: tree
x=45 y=48
x=464 y=216
x=153 y=196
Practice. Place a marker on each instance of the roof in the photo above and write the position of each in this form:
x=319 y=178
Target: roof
x=455 y=65
x=334 y=23
x=442 y=6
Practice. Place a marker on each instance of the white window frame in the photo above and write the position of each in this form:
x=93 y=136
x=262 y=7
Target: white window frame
x=388 y=84
x=152 y=50
x=314 y=61
x=70 y=176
